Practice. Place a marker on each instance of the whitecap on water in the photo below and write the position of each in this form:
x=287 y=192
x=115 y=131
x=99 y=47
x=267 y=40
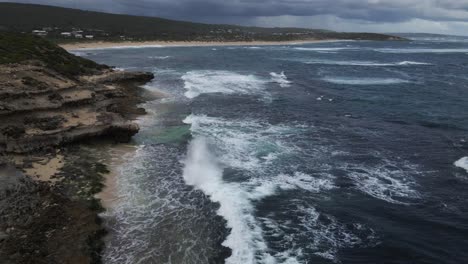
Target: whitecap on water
x=412 y=50
x=245 y=144
x=462 y=163
x=280 y=78
x=80 y=53
x=236 y=199
x=388 y=181
x=159 y=57
x=220 y=143
x=201 y=171
x=322 y=49
x=364 y=81
x=226 y=82
x=365 y=63
x=325 y=234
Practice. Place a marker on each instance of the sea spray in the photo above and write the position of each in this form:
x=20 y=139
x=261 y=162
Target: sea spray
x=281 y=79
x=202 y=171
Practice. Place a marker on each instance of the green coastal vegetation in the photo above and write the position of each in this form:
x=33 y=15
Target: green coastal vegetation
x=16 y=48
x=72 y=25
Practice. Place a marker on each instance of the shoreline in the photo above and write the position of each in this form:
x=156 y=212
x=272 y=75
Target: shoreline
x=60 y=115
x=116 y=154
x=149 y=44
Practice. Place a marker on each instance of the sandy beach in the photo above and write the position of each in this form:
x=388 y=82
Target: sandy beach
x=116 y=157
x=123 y=44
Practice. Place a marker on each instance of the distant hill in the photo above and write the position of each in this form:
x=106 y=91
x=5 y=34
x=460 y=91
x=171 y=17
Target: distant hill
x=53 y=21
x=427 y=36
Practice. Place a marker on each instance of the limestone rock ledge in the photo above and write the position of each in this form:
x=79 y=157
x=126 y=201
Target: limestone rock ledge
x=41 y=108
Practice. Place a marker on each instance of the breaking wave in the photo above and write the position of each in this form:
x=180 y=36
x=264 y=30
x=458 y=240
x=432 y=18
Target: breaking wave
x=251 y=146
x=281 y=79
x=462 y=163
x=226 y=82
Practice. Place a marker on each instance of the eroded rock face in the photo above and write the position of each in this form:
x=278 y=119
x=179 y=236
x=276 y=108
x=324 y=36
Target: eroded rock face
x=48 y=208
x=41 y=108
x=38 y=222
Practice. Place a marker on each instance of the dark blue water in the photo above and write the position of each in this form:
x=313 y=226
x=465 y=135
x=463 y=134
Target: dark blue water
x=339 y=152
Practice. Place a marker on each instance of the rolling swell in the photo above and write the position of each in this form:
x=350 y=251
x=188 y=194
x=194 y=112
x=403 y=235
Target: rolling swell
x=326 y=171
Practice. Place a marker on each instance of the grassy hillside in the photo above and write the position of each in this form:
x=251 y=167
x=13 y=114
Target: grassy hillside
x=20 y=48
x=27 y=17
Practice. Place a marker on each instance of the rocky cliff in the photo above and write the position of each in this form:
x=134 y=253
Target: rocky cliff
x=51 y=103
x=42 y=108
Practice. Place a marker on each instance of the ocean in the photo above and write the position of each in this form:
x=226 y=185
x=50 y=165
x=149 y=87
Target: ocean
x=334 y=152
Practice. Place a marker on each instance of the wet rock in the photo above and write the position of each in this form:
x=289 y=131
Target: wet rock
x=123 y=76
x=123 y=133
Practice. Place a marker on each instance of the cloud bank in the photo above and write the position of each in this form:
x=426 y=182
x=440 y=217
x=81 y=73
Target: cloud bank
x=434 y=16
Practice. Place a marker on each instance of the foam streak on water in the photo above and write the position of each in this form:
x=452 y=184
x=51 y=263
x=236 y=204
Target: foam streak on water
x=364 y=81
x=226 y=82
x=414 y=50
x=364 y=63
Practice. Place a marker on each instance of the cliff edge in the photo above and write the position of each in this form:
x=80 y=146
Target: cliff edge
x=50 y=102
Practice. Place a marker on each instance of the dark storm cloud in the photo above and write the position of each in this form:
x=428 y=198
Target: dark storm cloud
x=370 y=10
x=245 y=11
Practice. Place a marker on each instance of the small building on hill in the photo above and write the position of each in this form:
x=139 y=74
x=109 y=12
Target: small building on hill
x=41 y=33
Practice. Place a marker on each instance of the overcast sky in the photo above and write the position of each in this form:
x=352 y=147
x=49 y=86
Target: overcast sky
x=432 y=16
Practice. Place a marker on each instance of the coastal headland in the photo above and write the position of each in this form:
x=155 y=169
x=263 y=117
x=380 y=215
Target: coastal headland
x=56 y=109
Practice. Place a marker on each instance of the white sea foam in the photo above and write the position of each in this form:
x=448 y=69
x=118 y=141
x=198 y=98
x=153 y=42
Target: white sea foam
x=413 y=63
x=159 y=57
x=245 y=239
x=412 y=50
x=226 y=82
x=364 y=81
x=262 y=187
x=389 y=182
x=462 y=163
x=219 y=143
x=246 y=144
x=322 y=49
x=79 y=53
x=202 y=172
x=325 y=234
x=365 y=63
x=281 y=79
